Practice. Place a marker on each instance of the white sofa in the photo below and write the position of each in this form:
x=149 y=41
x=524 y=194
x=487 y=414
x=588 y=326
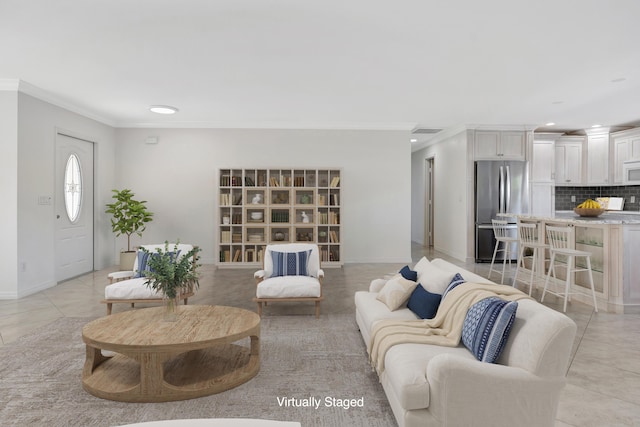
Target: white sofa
x=429 y=385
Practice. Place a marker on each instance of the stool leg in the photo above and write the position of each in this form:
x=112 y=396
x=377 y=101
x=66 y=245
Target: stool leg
x=533 y=269
x=567 y=283
x=493 y=259
x=593 y=289
x=518 y=261
x=551 y=269
x=504 y=260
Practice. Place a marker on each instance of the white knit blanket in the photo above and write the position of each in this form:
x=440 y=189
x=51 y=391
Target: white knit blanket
x=444 y=329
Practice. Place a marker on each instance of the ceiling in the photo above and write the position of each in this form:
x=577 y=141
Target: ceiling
x=329 y=64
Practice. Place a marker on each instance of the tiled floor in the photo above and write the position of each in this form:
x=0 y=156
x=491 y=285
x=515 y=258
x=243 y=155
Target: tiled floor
x=603 y=379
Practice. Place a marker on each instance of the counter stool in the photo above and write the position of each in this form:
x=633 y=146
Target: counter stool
x=528 y=239
x=500 y=232
x=560 y=239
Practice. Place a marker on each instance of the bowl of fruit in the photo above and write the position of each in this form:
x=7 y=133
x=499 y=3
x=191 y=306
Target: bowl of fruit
x=589 y=208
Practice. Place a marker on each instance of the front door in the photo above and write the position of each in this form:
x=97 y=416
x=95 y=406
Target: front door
x=74 y=207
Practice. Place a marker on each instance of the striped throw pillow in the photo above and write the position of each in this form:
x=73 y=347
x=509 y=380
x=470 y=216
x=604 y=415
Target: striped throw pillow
x=486 y=327
x=290 y=263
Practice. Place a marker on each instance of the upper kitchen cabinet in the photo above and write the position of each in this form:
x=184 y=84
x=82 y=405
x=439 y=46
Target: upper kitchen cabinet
x=626 y=146
x=568 y=160
x=598 y=157
x=499 y=145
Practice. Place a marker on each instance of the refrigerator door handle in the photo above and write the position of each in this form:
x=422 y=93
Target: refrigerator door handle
x=507 y=204
x=501 y=191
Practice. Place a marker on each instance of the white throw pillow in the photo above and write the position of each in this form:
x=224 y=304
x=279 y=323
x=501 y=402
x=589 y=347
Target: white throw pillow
x=432 y=278
x=396 y=292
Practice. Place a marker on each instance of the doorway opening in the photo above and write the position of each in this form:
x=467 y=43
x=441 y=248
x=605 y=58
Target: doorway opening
x=428 y=209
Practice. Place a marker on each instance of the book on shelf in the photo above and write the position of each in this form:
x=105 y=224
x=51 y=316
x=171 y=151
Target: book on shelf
x=225 y=181
x=249 y=182
x=333 y=237
x=273 y=182
x=334 y=199
x=335 y=181
x=225 y=236
x=236 y=255
x=322 y=200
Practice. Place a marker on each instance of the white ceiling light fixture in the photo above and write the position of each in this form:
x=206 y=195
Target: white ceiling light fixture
x=163 y=109
x=596 y=126
x=414 y=140
x=550 y=124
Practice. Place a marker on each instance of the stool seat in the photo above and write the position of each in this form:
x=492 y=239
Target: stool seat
x=559 y=240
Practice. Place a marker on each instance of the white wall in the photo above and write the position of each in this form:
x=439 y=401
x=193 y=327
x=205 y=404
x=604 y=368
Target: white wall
x=38 y=122
x=178 y=178
x=9 y=193
x=451 y=194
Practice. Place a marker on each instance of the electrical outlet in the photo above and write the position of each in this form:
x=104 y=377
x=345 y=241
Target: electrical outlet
x=573 y=199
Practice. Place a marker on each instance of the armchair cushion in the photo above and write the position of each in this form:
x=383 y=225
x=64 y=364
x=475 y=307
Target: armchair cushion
x=130 y=289
x=290 y=263
x=289 y=287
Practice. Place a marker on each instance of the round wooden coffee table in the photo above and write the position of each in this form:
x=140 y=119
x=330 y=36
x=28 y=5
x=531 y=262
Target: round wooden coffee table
x=159 y=361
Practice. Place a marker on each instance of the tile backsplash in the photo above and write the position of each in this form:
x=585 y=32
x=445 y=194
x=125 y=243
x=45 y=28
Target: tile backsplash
x=564 y=203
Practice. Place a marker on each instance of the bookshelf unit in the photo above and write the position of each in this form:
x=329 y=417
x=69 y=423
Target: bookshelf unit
x=278 y=205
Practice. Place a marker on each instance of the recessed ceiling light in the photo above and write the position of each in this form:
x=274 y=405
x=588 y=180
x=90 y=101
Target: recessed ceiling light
x=618 y=80
x=596 y=126
x=163 y=109
x=550 y=124
x=414 y=140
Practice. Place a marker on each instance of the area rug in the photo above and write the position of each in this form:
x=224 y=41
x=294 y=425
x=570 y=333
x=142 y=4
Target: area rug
x=313 y=371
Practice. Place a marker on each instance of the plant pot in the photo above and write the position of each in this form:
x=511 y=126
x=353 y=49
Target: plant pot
x=127 y=259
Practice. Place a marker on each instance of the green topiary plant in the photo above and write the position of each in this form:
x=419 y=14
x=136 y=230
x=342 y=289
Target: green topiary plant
x=167 y=274
x=129 y=215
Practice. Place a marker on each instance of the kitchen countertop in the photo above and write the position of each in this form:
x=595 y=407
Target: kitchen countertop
x=610 y=217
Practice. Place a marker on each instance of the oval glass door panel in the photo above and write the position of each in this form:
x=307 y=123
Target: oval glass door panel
x=73 y=187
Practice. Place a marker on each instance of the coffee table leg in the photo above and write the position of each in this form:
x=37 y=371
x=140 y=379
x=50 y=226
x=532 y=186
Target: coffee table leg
x=93 y=358
x=151 y=373
x=255 y=345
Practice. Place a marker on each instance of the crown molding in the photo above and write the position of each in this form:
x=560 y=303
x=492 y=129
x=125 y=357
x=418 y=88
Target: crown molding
x=400 y=126
x=9 y=84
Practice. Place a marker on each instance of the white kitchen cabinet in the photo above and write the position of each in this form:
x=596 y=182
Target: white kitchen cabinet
x=568 y=161
x=542 y=161
x=598 y=159
x=626 y=145
x=499 y=145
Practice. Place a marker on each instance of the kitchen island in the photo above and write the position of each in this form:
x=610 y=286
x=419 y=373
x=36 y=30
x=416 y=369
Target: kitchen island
x=613 y=239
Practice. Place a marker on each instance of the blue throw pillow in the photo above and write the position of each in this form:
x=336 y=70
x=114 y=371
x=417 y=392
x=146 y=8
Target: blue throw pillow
x=290 y=263
x=456 y=281
x=143 y=262
x=424 y=303
x=143 y=257
x=409 y=274
x=487 y=326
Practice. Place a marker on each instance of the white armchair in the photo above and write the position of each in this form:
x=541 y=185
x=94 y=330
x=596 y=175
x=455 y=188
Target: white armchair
x=291 y=272
x=129 y=286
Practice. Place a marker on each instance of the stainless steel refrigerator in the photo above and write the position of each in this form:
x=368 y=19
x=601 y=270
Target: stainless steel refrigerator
x=500 y=187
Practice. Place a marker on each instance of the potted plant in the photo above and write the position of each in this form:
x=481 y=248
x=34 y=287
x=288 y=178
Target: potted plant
x=129 y=216
x=172 y=273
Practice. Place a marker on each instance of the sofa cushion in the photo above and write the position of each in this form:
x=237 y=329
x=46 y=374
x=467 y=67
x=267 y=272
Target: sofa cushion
x=486 y=327
x=432 y=278
x=372 y=310
x=406 y=371
x=409 y=274
x=290 y=263
x=424 y=303
x=288 y=287
x=457 y=280
x=396 y=292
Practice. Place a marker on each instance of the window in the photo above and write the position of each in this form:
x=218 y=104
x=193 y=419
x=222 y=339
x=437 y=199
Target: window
x=73 y=187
